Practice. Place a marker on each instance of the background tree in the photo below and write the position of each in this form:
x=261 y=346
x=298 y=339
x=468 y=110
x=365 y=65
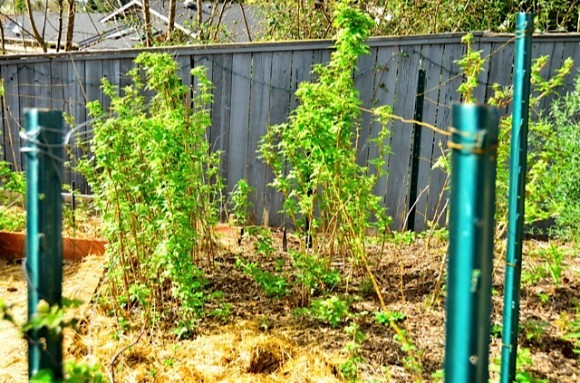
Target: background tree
x=70 y=25
x=307 y=19
x=39 y=38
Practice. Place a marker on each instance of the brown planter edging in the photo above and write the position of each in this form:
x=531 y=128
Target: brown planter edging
x=13 y=246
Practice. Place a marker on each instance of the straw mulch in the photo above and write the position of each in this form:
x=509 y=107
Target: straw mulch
x=234 y=353
x=80 y=282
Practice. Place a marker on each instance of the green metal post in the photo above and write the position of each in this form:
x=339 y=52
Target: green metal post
x=44 y=157
x=471 y=225
x=518 y=166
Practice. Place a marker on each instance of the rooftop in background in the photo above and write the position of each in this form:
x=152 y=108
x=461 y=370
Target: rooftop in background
x=117 y=30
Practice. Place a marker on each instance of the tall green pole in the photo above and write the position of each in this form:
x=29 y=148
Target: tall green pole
x=471 y=226
x=44 y=157
x=518 y=167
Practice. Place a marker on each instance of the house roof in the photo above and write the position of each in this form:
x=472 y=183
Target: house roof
x=115 y=30
x=232 y=18
x=85 y=24
x=18 y=30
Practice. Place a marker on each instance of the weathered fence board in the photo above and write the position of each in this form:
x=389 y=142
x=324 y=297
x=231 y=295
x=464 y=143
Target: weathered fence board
x=11 y=111
x=364 y=84
x=255 y=84
x=450 y=81
x=219 y=132
x=431 y=63
x=74 y=105
x=259 y=103
x=278 y=113
x=401 y=143
x=239 y=127
x=384 y=94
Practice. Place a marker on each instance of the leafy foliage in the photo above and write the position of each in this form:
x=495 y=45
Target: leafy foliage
x=412 y=359
x=554 y=186
x=350 y=367
x=157 y=184
x=263 y=241
x=314 y=274
x=332 y=310
x=273 y=285
x=12 y=184
x=573 y=329
x=313 y=155
x=240 y=202
x=299 y=19
x=471 y=64
x=553 y=162
x=12 y=189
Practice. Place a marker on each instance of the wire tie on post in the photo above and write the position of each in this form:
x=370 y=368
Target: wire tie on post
x=474 y=148
x=511 y=264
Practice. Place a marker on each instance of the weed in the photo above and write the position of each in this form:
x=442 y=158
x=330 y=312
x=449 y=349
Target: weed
x=264 y=244
x=240 y=202
x=534 y=329
x=553 y=257
x=313 y=273
x=331 y=310
x=412 y=358
x=224 y=309
x=350 y=367
x=273 y=285
x=438 y=376
x=12 y=189
x=496 y=330
x=544 y=297
x=524 y=361
x=403 y=237
x=533 y=275
x=573 y=329
x=366 y=287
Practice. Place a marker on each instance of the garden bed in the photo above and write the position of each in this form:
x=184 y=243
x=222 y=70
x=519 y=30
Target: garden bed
x=261 y=339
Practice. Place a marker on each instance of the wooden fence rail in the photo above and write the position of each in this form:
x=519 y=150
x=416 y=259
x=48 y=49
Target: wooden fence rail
x=255 y=86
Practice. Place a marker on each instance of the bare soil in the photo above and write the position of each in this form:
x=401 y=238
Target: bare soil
x=264 y=341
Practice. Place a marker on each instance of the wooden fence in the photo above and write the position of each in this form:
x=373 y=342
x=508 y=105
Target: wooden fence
x=255 y=85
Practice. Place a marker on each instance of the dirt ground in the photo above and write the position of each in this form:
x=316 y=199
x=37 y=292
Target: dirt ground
x=263 y=341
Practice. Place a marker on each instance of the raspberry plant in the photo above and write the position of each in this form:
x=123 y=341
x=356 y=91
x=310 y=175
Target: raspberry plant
x=313 y=155
x=157 y=183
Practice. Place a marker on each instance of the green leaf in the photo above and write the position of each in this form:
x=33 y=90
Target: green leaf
x=43 y=376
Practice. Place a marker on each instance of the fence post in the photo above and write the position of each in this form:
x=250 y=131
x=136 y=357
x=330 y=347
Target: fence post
x=419 y=103
x=516 y=202
x=44 y=157
x=471 y=225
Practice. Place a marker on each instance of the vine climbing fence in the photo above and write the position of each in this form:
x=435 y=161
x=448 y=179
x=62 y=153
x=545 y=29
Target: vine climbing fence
x=254 y=87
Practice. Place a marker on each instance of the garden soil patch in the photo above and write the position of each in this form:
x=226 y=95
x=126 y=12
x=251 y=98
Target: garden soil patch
x=263 y=340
